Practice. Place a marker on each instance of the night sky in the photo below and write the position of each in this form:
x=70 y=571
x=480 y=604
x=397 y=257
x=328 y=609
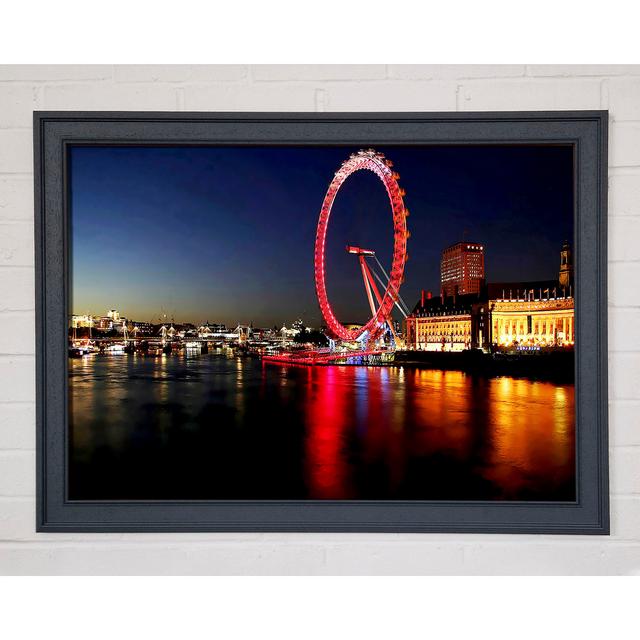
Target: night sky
x=226 y=234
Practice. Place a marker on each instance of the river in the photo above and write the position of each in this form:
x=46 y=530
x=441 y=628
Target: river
x=216 y=426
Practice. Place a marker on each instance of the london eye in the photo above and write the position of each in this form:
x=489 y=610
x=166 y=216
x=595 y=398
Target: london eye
x=381 y=304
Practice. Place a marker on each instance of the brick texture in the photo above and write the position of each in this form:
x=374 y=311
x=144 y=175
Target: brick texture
x=313 y=87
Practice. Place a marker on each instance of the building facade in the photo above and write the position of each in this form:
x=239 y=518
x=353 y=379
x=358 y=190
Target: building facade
x=537 y=314
x=82 y=321
x=462 y=269
x=476 y=322
x=448 y=324
x=532 y=322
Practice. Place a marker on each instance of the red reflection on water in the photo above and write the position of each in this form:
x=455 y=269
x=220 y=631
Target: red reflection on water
x=365 y=426
x=328 y=414
x=370 y=433
x=353 y=413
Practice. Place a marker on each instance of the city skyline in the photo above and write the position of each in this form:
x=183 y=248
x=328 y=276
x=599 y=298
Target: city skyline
x=226 y=234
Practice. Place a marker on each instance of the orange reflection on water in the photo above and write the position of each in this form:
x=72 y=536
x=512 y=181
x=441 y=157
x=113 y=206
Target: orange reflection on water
x=437 y=435
x=440 y=409
x=532 y=435
x=326 y=432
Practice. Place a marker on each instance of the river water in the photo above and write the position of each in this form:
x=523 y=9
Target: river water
x=216 y=426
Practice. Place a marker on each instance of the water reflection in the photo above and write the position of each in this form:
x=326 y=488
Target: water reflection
x=220 y=427
x=326 y=442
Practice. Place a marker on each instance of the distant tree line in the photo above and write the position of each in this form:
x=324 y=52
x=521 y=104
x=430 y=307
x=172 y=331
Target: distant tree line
x=314 y=336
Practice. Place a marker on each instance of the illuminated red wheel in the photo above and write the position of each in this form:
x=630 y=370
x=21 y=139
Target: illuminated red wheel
x=376 y=162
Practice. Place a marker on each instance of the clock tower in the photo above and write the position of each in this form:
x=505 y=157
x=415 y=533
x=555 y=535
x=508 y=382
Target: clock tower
x=565 y=278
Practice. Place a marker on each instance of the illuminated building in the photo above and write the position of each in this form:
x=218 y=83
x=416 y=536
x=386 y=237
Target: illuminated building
x=447 y=324
x=462 y=269
x=288 y=333
x=511 y=314
x=104 y=323
x=537 y=313
x=533 y=321
x=85 y=321
x=113 y=320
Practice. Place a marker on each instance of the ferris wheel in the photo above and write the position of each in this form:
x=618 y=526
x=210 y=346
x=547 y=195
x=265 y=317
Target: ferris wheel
x=381 y=304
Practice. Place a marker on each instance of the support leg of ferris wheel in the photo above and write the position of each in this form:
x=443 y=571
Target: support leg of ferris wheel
x=370 y=284
x=364 y=338
x=367 y=286
x=400 y=303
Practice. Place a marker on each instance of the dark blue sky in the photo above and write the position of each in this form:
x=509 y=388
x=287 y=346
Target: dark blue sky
x=226 y=234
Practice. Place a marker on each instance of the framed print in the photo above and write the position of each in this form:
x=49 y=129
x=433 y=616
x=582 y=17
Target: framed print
x=321 y=322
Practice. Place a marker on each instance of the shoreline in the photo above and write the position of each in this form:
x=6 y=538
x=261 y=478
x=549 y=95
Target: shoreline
x=556 y=366
x=553 y=365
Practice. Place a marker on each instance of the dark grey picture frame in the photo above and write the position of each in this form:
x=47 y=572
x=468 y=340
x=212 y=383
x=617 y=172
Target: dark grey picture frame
x=586 y=131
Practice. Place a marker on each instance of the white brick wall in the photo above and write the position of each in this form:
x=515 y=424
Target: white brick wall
x=325 y=87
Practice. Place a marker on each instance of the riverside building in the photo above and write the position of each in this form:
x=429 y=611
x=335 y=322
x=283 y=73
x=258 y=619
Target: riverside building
x=462 y=269
x=499 y=315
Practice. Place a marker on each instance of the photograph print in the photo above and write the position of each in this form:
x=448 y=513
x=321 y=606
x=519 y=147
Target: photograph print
x=321 y=323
